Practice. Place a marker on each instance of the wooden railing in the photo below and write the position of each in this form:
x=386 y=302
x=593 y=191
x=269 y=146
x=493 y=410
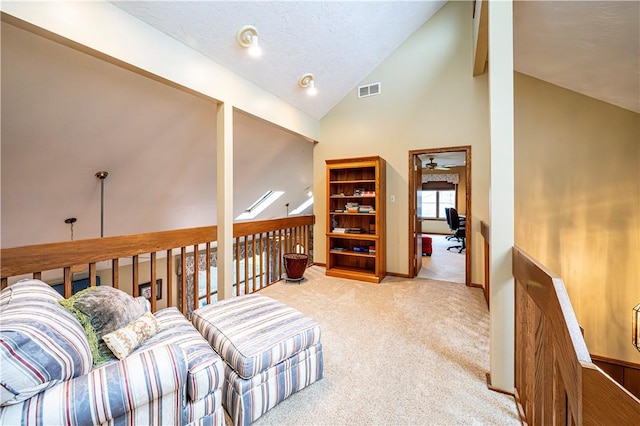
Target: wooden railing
x=268 y=240
x=556 y=382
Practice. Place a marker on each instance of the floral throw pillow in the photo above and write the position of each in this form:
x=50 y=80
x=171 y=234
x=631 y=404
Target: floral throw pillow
x=124 y=340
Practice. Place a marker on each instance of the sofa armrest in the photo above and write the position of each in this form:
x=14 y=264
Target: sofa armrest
x=110 y=391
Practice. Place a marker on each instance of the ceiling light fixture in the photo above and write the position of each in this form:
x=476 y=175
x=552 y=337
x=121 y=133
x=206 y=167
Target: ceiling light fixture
x=307 y=82
x=247 y=37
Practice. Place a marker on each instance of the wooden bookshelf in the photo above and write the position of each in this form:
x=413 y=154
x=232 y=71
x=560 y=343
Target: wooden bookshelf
x=356 y=221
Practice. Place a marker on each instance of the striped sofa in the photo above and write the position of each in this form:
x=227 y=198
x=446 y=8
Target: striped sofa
x=47 y=377
x=271 y=351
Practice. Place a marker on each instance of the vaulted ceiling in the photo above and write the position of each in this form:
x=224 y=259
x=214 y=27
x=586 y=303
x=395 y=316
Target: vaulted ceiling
x=339 y=42
x=591 y=47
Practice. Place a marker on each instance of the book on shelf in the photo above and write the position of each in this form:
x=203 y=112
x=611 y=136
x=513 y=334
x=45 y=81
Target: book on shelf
x=351 y=207
x=339 y=230
x=372 y=249
x=358 y=249
x=353 y=230
x=365 y=209
x=338 y=249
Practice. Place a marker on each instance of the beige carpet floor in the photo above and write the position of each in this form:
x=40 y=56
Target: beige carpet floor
x=443 y=264
x=403 y=352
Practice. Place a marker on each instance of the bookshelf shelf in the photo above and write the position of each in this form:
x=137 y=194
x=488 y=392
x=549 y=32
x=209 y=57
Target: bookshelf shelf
x=356 y=240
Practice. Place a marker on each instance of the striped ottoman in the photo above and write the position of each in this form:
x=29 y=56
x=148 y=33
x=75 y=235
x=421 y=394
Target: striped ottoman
x=271 y=351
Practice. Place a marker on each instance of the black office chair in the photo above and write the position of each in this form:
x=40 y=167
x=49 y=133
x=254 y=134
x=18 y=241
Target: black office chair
x=459 y=230
x=448 y=216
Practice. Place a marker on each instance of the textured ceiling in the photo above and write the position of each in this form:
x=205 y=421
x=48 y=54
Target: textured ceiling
x=586 y=46
x=339 y=42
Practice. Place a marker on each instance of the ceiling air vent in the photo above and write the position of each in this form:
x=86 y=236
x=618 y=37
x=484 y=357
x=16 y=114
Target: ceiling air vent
x=369 y=90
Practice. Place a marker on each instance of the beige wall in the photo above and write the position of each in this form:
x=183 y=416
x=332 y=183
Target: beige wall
x=577 y=205
x=429 y=100
x=101 y=26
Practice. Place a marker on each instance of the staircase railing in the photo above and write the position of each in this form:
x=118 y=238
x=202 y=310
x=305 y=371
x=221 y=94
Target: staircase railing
x=556 y=382
x=110 y=257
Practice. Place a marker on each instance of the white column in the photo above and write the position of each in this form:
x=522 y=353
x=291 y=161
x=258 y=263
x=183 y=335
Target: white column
x=501 y=197
x=224 y=152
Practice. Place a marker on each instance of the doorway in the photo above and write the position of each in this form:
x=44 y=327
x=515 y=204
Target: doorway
x=456 y=163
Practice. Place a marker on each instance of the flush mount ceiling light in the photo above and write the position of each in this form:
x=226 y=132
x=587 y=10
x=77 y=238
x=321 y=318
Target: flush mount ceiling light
x=247 y=37
x=306 y=82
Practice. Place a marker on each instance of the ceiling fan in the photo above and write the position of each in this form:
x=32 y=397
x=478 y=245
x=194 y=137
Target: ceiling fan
x=431 y=165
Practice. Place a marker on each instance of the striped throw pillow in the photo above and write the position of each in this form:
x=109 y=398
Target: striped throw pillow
x=41 y=343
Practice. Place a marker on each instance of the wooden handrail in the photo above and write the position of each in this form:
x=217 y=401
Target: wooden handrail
x=556 y=382
x=257 y=227
x=44 y=257
x=290 y=233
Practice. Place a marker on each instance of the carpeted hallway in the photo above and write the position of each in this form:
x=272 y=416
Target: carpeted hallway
x=397 y=353
x=443 y=264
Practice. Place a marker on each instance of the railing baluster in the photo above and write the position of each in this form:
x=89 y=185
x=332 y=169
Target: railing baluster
x=135 y=273
x=253 y=262
x=183 y=279
x=268 y=256
x=261 y=257
x=237 y=265
x=530 y=358
x=115 y=273
x=559 y=395
x=169 y=277
x=152 y=273
x=208 y=266
x=92 y=274
x=246 y=265
x=68 y=286
x=279 y=255
x=196 y=276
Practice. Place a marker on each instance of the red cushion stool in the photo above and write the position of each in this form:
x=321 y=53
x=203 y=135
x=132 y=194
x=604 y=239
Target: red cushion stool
x=426 y=246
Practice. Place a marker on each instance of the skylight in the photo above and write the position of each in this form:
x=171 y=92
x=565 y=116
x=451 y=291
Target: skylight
x=303 y=206
x=261 y=203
